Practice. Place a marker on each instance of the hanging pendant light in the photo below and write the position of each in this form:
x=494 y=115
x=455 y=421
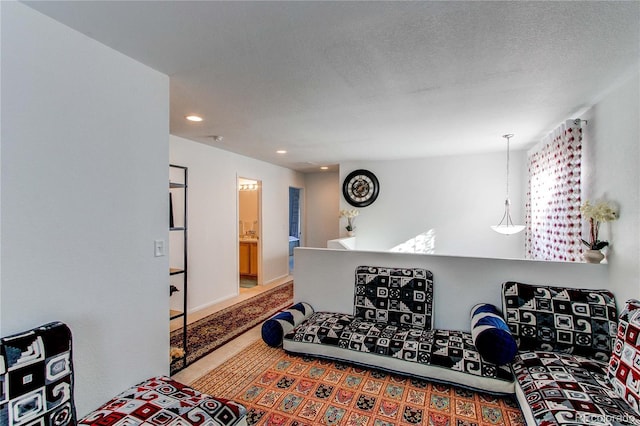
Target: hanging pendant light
x=506 y=225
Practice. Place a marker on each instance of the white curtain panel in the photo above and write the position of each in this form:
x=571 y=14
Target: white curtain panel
x=553 y=221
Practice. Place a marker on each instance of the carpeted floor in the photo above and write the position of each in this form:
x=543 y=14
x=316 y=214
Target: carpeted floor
x=213 y=331
x=282 y=389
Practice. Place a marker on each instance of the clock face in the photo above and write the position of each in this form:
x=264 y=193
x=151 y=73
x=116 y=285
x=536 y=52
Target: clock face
x=360 y=188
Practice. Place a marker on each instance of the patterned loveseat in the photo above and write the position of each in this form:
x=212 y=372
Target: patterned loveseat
x=36 y=389
x=392 y=328
x=578 y=364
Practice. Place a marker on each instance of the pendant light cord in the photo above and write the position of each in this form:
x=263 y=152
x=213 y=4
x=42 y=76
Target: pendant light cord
x=508 y=137
x=508 y=227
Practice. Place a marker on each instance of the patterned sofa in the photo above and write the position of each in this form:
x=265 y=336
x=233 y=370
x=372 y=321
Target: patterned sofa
x=392 y=329
x=36 y=389
x=578 y=364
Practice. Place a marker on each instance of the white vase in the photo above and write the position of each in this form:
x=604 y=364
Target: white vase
x=593 y=256
x=351 y=233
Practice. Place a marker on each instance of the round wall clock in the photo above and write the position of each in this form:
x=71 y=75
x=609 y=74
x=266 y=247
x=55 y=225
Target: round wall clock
x=360 y=188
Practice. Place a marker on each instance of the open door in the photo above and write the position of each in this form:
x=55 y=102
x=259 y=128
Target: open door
x=295 y=223
x=249 y=233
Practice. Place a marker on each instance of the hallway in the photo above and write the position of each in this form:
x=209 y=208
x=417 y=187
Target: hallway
x=230 y=349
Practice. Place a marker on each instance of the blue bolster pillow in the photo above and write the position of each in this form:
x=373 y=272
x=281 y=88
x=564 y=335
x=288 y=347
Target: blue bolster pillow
x=491 y=334
x=276 y=327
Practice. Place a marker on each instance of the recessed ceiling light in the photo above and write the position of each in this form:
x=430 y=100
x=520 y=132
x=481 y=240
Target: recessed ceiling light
x=193 y=117
x=281 y=151
x=324 y=168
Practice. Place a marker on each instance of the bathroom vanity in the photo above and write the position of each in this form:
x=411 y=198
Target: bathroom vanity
x=249 y=257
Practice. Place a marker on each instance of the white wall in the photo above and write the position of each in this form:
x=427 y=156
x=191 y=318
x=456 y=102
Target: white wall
x=458 y=197
x=325 y=279
x=612 y=156
x=323 y=203
x=213 y=218
x=84 y=146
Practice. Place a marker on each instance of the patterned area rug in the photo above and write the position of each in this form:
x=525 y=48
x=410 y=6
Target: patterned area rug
x=213 y=331
x=282 y=389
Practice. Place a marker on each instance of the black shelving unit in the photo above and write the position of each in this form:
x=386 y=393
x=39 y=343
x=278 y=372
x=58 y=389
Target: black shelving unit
x=178 y=185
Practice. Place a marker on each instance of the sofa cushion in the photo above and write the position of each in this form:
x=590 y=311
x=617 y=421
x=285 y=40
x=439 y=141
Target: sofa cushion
x=397 y=296
x=491 y=334
x=563 y=389
x=624 y=366
x=36 y=377
x=441 y=355
x=560 y=319
x=274 y=329
x=163 y=401
x=321 y=327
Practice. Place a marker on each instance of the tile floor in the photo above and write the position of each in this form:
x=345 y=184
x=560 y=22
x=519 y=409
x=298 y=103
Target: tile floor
x=235 y=346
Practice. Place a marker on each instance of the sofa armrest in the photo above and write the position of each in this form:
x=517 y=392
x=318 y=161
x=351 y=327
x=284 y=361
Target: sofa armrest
x=276 y=327
x=491 y=334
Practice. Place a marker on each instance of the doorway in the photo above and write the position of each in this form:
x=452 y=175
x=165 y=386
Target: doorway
x=295 y=225
x=249 y=233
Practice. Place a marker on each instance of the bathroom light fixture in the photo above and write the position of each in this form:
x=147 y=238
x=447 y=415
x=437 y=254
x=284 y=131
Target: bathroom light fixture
x=193 y=117
x=506 y=225
x=281 y=151
x=324 y=168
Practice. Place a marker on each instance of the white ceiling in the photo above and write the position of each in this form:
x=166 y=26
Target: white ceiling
x=339 y=81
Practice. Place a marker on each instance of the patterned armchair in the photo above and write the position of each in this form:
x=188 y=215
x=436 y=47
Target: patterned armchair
x=563 y=372
x=36 y=389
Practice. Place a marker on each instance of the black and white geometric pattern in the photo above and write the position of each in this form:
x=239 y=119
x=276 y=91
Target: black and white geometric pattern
x=36 y=377
x=398 y=296
x=565 y=389
x=558 y=319
x=453 y=350
x=36 y=389
x=321 y=327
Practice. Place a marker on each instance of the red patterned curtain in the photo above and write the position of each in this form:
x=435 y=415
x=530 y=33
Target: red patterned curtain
x=553 y=208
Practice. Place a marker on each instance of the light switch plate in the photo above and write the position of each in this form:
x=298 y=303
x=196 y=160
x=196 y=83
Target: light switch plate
x=158 y=248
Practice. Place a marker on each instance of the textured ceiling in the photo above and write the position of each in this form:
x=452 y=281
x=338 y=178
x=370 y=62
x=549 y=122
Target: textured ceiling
x=340 y=81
